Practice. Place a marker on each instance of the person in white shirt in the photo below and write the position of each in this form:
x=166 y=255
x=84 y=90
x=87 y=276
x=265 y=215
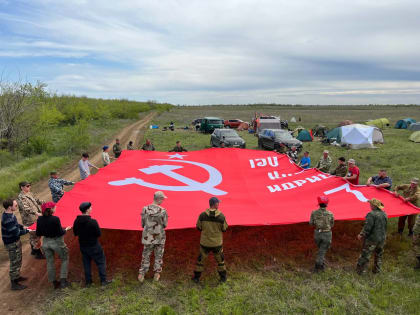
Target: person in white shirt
x=106 y=159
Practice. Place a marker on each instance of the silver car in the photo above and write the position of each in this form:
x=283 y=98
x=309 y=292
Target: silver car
x=228 y=136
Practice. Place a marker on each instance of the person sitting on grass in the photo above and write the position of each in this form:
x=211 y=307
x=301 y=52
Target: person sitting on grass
x=178 y=148
x=49 y=226
x=305 y=162
x=293 y=154
x=148 y=146
x=11 y=232
x=380 y=181
x=341 y=169
x=324 y=163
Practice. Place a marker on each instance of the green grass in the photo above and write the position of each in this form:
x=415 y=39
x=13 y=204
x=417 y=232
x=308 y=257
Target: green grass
x=268 y=267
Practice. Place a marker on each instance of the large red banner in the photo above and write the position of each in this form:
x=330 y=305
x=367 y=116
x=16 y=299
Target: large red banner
x=254 y=187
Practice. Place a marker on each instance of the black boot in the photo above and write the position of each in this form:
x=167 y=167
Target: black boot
x=15 y=286
x=56 y=284
x=410 y=233
x=21 y=279
x=222 y=275
x=64 y=283
x=196 y=277
x=33 y=251
x=318 y=268
x=39 y=254
x=417 y=267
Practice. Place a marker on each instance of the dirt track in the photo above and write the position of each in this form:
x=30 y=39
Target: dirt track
x=26 y=301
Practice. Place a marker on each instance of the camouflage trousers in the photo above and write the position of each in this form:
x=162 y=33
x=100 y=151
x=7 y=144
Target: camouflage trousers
x=368 y=249
x=35 y=241
x=51 y=246
x=158 y=249
x=15 y=257
x=323 y=242
x=204 y=254
x=416 y=245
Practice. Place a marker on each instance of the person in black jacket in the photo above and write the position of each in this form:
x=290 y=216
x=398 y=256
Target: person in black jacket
x=11 y=232
x=49 y=226
x=88 y=231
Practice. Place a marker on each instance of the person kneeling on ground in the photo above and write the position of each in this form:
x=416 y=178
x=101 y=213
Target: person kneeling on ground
x=373 y=235
x=154 y=220
x=323 y=220
x=211 y=223
x=11 y=232
x=178 y=148
x=341 y=169
x=88 y=231
x=49 y=226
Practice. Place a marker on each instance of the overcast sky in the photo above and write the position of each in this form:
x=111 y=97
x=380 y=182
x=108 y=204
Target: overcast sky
x=217 y=52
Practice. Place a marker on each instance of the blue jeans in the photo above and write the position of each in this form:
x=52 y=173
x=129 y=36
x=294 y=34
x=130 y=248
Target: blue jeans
x=96 y=254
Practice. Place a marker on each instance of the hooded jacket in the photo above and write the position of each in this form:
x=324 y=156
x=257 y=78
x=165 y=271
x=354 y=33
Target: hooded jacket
x=154 y=220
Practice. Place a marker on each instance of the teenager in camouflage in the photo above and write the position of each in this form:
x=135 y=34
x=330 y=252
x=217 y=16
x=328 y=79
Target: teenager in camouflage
x=373 y=235
x=211 y=223
x=154 y=220
x=323 y=220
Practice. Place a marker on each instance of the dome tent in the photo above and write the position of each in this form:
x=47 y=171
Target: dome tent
x=404 y=123
x=304 y=136
x=380 y=123
x=414 y=127
x=415 y=137
x=357 y=136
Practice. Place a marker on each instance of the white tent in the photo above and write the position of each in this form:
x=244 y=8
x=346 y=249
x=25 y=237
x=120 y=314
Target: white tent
x=361 y=136
x=293 y=119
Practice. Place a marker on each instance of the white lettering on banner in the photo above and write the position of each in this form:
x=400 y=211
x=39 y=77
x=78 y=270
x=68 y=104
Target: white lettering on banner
x=296 y=183
x=275 y=175
x=299 y=182
x=346 y=187
x=263 y=162
x=287 y=186
x=215 y=178
x=273 y=161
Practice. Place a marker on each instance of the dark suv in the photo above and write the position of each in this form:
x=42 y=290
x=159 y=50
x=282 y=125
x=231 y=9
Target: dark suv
x=271 y=139
x=228 y=136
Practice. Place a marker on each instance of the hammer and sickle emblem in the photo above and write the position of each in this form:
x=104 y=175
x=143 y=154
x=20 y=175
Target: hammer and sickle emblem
x=215 y=178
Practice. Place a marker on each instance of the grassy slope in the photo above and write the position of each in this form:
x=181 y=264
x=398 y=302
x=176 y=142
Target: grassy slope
x=268 y=268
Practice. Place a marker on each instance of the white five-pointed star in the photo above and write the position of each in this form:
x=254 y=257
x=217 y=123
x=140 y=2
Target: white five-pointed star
x=176 y=156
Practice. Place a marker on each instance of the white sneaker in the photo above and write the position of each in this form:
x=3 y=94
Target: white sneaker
x=140 y=278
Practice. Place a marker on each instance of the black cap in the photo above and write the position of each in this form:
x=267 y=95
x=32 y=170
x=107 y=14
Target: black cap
x=23 y=184
x=213 y=201
x=84 y=206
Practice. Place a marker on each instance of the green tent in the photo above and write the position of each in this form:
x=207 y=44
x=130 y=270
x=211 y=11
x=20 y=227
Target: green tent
x=415 y=137
x=334 y=135
x=404 y=123
x=304 y=136
x=380 y=123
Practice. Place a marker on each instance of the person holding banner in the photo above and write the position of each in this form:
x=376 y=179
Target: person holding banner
x=323 y=220
x=410 y=193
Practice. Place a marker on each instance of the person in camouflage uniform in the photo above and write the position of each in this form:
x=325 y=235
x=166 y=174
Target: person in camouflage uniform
x=416 y=241
x=30 y=210
x=130 y=146
x=211 y=223
x=410 y=193
x=178 y=148
x=117 y=148
x=373 y=235
x=323 y=220
x=341 y=169
x=57 y=186
x=154 y=220
x=148 y=146
x=293 y=154
x=324 y=163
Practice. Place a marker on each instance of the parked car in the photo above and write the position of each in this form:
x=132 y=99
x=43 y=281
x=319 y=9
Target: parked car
x=196 y=121
x=271 y=139
x=209 y=124
x=228 y=136
x=233 y=123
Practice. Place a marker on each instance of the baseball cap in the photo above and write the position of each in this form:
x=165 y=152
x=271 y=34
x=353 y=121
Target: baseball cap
x=415 y=180
x=326 y=151
x=213 y=201
x=84 y=206
x=160 y=195
x=323 y=199
x=105 y=147
x=23 y=184
x=352 y=161
x=47 y=205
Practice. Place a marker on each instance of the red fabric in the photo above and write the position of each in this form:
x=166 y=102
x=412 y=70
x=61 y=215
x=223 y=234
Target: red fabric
x=256 y=188
x=354 y=171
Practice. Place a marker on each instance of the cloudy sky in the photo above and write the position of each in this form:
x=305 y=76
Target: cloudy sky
x=217 y=52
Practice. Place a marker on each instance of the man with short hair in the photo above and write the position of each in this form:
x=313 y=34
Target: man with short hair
x=373 y=235
x=30 y=210
x=117 y=148
x=341 y=169
x=56 y=186
x=293 y=154
x=148 y=146
x=410 y=193
x=106 y=159
x=323 y=220
x=11 y=232
x=154 y=220
x=324 y=163
x=84 y=166
x=305 y=162
x=380 y=181
x=88 y=231
x=130 y=146
x=353 y=173
x=178 y=148
x=211 y=223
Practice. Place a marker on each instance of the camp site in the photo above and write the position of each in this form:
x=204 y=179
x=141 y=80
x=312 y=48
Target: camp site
x=209 y=157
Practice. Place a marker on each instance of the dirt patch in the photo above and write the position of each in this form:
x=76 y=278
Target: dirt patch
x=28 y=300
